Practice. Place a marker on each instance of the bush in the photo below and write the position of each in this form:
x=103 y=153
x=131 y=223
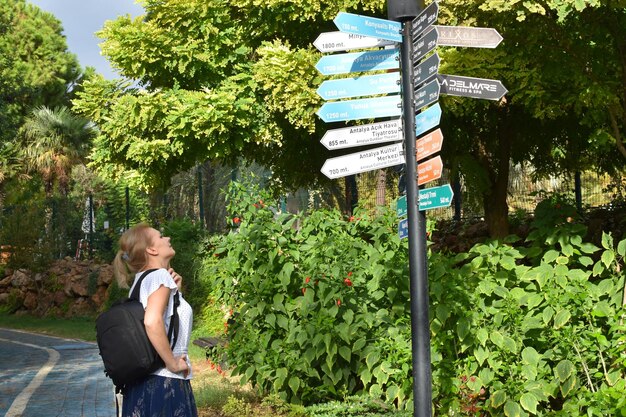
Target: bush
x=531 y=327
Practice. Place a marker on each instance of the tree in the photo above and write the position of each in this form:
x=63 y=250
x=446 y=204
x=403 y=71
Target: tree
x=54 y=141
x=222 y=80
x=560 y=64
x=35 y=70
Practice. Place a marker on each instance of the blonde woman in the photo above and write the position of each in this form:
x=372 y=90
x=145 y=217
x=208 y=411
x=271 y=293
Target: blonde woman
x=166 y=392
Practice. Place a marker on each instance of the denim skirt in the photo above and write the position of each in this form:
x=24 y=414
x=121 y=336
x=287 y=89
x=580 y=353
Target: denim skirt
x=158 y=396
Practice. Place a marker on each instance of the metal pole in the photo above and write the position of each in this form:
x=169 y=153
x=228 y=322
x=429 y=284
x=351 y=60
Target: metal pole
x=90 y=226
x=418 y=262
x=200 y=199
x=127 y=208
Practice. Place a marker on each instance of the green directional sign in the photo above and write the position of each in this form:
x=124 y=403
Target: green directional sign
x=401 y=209
x=435 y=197
x=430 y=198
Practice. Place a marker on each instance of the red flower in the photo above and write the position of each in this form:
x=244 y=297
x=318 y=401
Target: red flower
x=347 y=282
x=350 y=273
x=351 y=219
x=236 y=220
x=216 y=254
x=307 y=280
x=303 y=291
x=339 y=302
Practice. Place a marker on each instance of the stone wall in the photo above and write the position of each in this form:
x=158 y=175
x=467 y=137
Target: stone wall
x=69 y=288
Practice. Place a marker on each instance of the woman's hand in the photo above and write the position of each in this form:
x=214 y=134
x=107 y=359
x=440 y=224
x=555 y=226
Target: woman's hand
x=178 y=280
x=179 y=365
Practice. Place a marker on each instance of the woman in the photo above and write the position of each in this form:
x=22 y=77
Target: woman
x=167 y=392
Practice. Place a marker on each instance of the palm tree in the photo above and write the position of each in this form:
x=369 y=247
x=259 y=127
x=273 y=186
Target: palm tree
x=55 y=140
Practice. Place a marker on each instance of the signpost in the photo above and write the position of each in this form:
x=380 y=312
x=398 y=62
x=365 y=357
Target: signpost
x=370 y=134
x=455 y=85
x=341 y=41
x=363 y=86
x=468 y=36
x=368 y=26
x=412 y=26
x=365 y=108
x=429 y=144
x=369 y=160
x=384 y=59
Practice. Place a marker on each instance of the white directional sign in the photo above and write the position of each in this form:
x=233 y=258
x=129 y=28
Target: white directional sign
x=341 y=41
x=370 y=134
x=365 y=108
x=468 y=36
x=383 y=59
x=369 y=160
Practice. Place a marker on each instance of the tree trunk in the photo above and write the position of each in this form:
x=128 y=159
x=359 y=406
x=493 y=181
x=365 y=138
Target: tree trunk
x=495 y=203
x=381 y=186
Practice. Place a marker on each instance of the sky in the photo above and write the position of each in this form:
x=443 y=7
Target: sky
x=81 y=19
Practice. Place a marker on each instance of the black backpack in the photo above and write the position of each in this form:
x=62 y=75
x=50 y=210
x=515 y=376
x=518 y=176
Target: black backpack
x=124 y=346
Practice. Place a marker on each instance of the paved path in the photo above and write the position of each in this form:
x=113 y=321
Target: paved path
x=43 y=376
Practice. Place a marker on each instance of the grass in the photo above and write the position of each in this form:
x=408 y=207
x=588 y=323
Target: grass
x=83 y=328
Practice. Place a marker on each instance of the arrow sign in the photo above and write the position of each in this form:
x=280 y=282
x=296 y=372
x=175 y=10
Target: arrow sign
x=454 y=85
x=427 y=119
x=369 y=160
x=365 y=108
x=429 y=171
x=403 y=228
x=435 y=197
x=341 y=41
x=359 y=62
x=362 y=86
x=468 y=36
x=427 y=69
x=375 y=133
x=426 y=18
x=426 y=95
x=429 y=198
x=428 y=145
x=369 y=26
x=424 y=45
x=401 y=208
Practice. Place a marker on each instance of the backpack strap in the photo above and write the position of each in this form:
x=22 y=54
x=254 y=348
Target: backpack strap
x=174 y=321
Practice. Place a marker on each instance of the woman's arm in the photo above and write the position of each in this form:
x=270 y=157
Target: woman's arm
x=155 y=328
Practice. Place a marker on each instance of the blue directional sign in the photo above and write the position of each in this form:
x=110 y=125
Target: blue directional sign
x=365 y=108
x=369 y=26
x=403 y=228
x=435 y=197
x=357 y=87
x=383 y=59
x=428 y=119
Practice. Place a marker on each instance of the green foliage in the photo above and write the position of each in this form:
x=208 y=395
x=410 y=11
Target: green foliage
x=357 y=406
x=531 y=329
x=186 y=238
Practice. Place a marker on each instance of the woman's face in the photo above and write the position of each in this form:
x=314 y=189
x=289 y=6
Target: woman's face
x=161 y=244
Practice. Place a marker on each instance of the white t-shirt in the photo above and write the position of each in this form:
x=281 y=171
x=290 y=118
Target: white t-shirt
x=152 y=282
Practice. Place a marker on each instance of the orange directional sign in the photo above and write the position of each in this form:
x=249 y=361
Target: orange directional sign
x=429 y=171
x=429 y=144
